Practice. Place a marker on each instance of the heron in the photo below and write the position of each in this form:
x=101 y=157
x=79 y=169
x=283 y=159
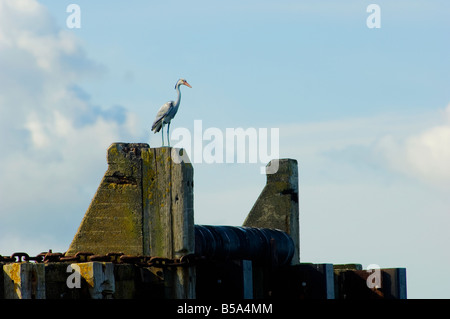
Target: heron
x=167 y=112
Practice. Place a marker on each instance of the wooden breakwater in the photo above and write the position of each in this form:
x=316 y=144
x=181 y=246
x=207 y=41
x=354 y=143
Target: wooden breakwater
x=138 y=240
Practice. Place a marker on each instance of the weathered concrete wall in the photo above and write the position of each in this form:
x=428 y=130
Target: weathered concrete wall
x=277 y=205
x=143 y=196
x=113 y=221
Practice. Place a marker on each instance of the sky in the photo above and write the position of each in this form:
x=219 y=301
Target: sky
x=364 y=111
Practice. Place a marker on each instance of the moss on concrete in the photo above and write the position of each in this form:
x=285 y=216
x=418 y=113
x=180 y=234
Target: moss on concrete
x=113 y=221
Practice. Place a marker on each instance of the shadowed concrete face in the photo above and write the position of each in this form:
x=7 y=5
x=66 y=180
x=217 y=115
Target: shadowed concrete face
x=142 y=192
x=277 y=205
x=113 y=221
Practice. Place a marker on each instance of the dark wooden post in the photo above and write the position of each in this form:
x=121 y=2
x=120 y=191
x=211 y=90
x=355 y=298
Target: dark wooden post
x=169 y=215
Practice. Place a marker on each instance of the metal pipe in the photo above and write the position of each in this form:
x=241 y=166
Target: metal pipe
x=234 y=242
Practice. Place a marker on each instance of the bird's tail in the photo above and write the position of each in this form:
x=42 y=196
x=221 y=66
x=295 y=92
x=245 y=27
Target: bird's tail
x=156 y=127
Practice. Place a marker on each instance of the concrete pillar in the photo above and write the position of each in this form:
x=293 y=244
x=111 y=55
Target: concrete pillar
x=113 y=221
x=277 y=205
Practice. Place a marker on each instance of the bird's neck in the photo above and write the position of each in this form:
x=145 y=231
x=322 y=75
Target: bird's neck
x=177 y=102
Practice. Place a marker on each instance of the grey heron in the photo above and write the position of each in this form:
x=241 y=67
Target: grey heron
x=167 y=112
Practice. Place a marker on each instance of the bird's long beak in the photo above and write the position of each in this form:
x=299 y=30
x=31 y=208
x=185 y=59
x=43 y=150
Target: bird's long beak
x=187 y=84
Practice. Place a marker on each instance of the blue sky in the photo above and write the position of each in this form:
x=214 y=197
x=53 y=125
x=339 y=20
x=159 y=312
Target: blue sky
x=364 y=111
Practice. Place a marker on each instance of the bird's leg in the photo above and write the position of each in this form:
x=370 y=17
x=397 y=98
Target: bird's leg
x=162 y=134
x=168 y=136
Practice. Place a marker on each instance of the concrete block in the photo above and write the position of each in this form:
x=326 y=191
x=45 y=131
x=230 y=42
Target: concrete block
x=277 y=205
x=113 y=221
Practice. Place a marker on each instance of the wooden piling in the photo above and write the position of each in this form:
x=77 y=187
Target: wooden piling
x=169 y=215
x=24 y=280
x=99 y=277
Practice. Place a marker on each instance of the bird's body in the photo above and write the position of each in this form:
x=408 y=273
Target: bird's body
x=164 y=116
x=167 y=112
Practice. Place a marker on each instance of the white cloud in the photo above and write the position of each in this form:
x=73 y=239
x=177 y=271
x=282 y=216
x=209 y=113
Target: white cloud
x=424 y=155
x=53 y=139
x=413 y=145
x=366 y=182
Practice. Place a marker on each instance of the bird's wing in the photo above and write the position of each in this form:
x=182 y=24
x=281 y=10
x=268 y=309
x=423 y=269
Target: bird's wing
x=163 y=111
